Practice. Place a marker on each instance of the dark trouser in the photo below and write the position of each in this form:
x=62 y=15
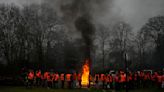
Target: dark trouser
x=103 y=85
x=49 y=84
x=74 y=84
x=111 y=85
x=122 y=85
x=62 y=84
x=69 y=84
x=30 y=82
x=130 y=84
x=44 y=83
x=96 y=82
x=80 y=83
x=38 y=81
x=117 y=86
x=55 y=84
x=159 y=84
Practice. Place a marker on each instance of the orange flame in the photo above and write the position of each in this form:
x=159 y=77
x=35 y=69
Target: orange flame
x=85 y=73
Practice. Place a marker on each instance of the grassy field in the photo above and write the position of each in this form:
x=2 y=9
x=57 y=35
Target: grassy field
x=23 y=89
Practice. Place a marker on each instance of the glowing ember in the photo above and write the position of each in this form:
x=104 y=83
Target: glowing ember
x=85 y=73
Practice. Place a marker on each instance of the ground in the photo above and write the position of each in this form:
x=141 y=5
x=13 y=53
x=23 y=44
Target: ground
x=23 y=89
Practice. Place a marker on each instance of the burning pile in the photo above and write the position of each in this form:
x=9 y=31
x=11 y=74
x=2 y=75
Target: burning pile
x=85 y=74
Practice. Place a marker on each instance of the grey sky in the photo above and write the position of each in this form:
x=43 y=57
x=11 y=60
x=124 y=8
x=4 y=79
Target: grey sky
x=134 y=12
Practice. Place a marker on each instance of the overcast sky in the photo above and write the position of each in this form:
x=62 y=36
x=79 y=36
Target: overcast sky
x=135 y=12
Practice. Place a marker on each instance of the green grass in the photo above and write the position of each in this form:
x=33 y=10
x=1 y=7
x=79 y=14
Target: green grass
x=23 y=89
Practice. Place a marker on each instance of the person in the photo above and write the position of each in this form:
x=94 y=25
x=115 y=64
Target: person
x=68 y=78
x=109 y=81
x=103 y=80
x=163 y=81
x=135 y=80
x=56 y=80
x=96 y=79
x=141 y=78
x=45 y=79
x=154 y=78
x=53 y=80
x=74 y=80
x=62 y=80
x=117 y=82
x=49 y=80
x=123 y=79
x=79 y=80
x=42 y=81
x=159 y=80
x=38 y=77
x=30 y=78
x=90 y=80
x=130 y=80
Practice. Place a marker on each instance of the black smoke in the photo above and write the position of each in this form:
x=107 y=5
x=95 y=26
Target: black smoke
x=79 y=16
x=84 y=25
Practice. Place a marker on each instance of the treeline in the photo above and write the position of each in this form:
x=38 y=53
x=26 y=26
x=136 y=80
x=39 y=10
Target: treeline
x=144 y=49
x=34 y=36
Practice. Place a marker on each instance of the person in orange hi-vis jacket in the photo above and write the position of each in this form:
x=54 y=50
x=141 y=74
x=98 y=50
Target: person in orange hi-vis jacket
x=159 y=80
x=68 y=79
x=31 y=78
x=109 y=81
x=79 y=80
x=163 y=80
x=49 y=80
x=56 y=79
x=45 y=79
x=74 y=76
x=123 y=79
x=38 y=77
x=102 y=77
x=117 y=81
x=130 y=80
x=62 y=78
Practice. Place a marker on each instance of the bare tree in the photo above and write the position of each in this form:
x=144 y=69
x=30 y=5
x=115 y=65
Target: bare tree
x=154 y=32
x=121 y=41
x=102 y=38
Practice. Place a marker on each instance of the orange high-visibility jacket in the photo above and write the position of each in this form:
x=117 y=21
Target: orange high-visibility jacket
x=153 y=77
x=38 y=74
x=79 y=77
x=62 y=77
x=109 y=78
x=142 y=75
x=123 y=78
x=68 y=77
x=49 y=78
x=31 y=75
x=159 y=77
x=102 y=78
x=53 y=77
x=116 y=78
x=135 y=77
x=90 y=78
x=130 y=78
x=42 y=77
x=145 y=77
x=74 y=76
x=45 y=75
x=56 y=77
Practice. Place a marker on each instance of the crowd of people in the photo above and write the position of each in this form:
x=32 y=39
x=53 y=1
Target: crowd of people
x=118 y=80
